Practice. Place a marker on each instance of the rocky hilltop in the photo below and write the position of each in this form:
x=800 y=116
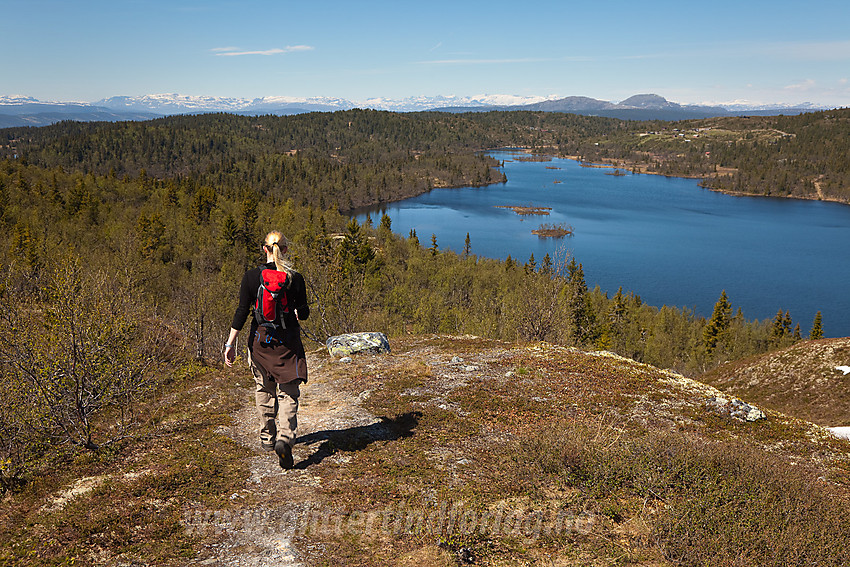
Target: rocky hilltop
x=451 y=451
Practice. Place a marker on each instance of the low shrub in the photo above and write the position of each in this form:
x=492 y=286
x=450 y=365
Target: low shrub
x=715 y=504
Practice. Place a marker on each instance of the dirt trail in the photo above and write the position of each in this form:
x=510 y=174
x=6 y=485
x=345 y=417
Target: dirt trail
x=259 y=533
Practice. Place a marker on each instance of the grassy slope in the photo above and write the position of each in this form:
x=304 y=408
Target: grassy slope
x=800 y=380
x=635 y=463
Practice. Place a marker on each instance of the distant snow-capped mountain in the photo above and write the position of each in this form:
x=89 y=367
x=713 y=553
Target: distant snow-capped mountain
x=181 y=104
x=19 y=110
x=10 y=102
x=171 y=103
x=177 y=103
x=6 y=100
x=419 y=103
x=743 y=106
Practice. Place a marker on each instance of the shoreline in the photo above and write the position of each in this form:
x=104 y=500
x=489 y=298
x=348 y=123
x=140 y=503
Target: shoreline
x=798 y=197
x=598 y=165
x=642 y=171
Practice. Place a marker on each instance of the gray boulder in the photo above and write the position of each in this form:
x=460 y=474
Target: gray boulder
x=735 y=408
x=348 y=344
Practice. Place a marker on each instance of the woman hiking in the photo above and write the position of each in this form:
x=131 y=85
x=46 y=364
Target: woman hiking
x=278 y=296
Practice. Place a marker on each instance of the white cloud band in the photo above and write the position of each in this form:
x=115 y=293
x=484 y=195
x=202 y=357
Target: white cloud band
x=235 y=51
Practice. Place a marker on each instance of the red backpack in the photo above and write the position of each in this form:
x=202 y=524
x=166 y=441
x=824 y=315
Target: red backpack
x=271 y=300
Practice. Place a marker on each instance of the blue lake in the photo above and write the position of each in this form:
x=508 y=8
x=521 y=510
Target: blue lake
x=665 y=239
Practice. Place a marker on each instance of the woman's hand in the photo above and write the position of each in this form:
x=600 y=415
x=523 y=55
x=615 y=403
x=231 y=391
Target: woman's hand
x=229 y=355
x=230 y=347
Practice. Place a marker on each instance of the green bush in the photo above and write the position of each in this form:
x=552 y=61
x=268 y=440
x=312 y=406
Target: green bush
x=75 y=359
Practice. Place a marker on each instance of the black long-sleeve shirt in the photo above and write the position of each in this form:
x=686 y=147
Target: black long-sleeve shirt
x=296 y=297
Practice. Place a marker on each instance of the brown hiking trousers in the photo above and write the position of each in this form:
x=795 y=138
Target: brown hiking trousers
x=277 y=406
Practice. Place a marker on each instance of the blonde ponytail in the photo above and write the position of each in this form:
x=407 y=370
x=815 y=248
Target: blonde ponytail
x=276 y=242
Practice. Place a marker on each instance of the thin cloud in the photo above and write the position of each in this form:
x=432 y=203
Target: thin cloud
x=806 y=85
x=237 y=52
x=497 y=61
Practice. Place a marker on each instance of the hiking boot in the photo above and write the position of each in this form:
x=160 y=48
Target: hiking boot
x=284 y=453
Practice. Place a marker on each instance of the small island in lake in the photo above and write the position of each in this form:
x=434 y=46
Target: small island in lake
x=547 y=230
x=527 y=210
x=535 y=157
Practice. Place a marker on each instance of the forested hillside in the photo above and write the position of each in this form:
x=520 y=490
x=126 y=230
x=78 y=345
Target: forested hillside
x=361 y=157
x=348 y=158
x=780 y=156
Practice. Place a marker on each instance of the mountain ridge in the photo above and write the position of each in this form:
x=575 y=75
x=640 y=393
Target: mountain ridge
x=18 y=110
x=636 y=107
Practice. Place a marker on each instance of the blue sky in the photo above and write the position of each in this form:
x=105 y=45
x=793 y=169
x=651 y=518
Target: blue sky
x=688 y=52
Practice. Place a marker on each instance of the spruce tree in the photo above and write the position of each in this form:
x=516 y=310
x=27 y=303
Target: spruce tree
x=787 y=322
x=618 y=309
x=385 y=230
x=24 y=246
x=817 y=327
x=579 y=310
x=777 y=331
x=718 y=325
x=78 y=198
x=171 y=197
x=547 y=267
x=229 y=231
x=202 y=204
x=355 y=254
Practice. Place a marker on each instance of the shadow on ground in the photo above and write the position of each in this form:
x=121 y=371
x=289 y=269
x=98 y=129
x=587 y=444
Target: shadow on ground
x=358 y=438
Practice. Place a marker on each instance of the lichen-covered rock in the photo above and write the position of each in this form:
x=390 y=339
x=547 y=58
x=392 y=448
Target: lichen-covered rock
x=344 y=345
x=735 y=408
x=744 y=411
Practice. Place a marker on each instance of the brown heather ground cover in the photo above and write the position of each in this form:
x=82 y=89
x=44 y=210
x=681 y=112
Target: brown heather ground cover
x=799 y=380
x=644 y=470
x=124 y=504
x=451 y=449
